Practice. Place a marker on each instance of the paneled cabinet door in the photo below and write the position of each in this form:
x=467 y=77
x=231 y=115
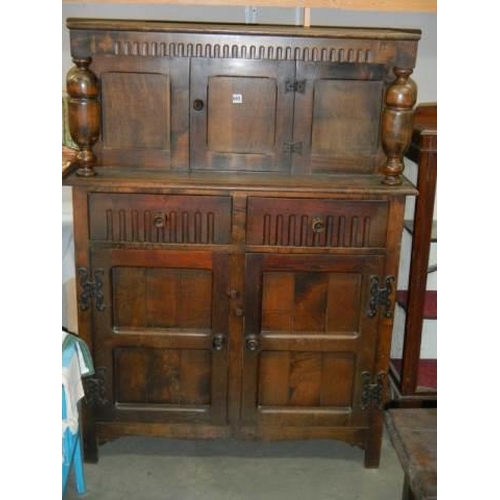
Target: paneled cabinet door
x=144 y=111
x=308 y=339
x=161 y=335
x=337 y=118
x=241 y=115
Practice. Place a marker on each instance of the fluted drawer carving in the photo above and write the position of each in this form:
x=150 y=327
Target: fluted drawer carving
x=160 y=219
x=316 y=223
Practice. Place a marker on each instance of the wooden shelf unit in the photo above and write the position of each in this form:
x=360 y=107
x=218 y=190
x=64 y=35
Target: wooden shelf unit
x=418 y=302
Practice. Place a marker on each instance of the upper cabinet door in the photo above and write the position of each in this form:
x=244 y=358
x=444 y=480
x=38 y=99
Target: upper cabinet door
x=337 y=117
x=144 y=112
x=241 y=115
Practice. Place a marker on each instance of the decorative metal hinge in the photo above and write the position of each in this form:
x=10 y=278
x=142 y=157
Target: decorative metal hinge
x=292 y=147
x=380 y=296
x=94 y=387
x=372 y=392
x=295 y=86
x=91 y=289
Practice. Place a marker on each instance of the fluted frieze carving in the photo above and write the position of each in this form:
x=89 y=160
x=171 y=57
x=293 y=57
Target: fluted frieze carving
x=317 y=53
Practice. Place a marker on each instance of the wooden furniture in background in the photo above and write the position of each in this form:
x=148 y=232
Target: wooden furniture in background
x=238 y=208
x=418 y=302
x=413 y=433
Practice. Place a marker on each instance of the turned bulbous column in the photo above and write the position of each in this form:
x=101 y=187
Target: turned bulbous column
x=82 y=87
x=397 y=124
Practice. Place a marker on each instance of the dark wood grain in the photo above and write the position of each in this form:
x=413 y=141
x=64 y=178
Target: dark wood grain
x=413 y=433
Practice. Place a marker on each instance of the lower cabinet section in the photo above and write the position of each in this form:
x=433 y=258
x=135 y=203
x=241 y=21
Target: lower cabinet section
x=181 y=352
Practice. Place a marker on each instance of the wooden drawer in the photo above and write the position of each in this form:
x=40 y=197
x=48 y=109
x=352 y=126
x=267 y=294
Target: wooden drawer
x=316 y=223
x=145 y=218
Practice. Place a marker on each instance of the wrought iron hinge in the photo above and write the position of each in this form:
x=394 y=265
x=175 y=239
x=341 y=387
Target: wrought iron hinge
x=91 y=289
x=292 y=147
x=372 y=392
x=380 y=296
x=295 y=86
x=94 y=387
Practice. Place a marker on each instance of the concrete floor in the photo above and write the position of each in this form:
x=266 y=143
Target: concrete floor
x=137 y=468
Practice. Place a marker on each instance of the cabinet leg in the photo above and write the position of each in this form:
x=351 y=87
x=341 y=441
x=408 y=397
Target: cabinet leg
x=374 y=441
x=372 y=457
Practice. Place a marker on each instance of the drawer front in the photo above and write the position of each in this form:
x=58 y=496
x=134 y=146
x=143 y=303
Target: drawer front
x=142 y=218
x=316 y=223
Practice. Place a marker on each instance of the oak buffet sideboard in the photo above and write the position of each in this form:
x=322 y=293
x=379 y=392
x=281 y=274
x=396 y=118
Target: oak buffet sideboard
x=238 y=206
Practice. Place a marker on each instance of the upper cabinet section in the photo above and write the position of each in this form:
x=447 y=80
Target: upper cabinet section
x=188 y=97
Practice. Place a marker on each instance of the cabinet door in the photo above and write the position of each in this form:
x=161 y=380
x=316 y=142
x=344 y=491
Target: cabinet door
x=161 y=338
x=337 y=117
x=308 y=339
x=241 y=114
x=144 y=112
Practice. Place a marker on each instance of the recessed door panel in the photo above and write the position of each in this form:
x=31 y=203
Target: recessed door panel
x=162 y=298
x=242 y=114
x=317 y=303
x=304 y=379
x=337 y=117
x=136 y=110
x=346 y=117
x=144 y=111
x=155 y=376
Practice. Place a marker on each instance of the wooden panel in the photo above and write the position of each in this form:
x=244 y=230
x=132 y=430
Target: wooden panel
x=145 y=104
x=136 y=110
x=162 y=376
x=338 y=379
x=162 y=298
x=160 y=219
x=306 y=379
x=277 y=301
x=344 y=302
x=285 y=222
x=179 y=298
x=274 y=367
x=242 y=114
x=310 y=302
x=129 y=306
x=346 y=117
x=337 y=116
x=310 y=310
